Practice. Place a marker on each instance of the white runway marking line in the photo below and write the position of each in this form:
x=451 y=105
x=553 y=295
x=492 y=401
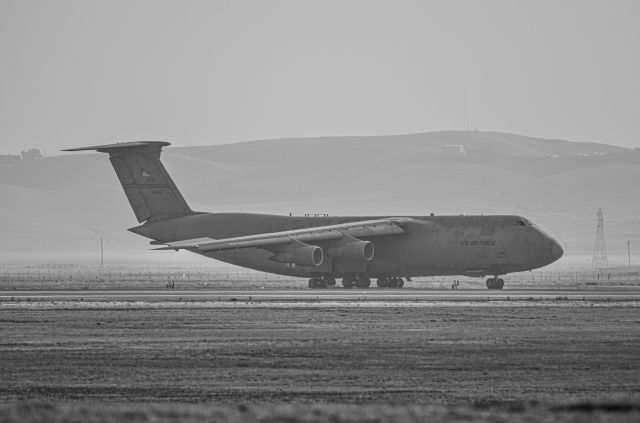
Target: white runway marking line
x=382 y=296
x=147 y=305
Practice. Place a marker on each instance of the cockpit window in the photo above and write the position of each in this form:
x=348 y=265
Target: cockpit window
x=523 y=222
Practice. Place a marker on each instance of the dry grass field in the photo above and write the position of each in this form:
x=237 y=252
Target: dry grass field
x=422 y=362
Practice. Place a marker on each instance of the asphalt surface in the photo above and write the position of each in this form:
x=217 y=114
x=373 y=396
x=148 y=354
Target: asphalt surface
x=618 y=294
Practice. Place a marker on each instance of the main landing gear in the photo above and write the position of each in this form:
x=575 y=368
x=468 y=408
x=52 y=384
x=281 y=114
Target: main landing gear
x=495 y=283
x=356 y=281
x=322 y=282
x=361 y=281
x=388 y=282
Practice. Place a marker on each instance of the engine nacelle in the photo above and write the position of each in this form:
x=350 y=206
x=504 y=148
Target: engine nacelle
x=356 y=250
x=309 y=255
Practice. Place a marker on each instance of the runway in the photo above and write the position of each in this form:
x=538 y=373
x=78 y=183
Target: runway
x=346 y=295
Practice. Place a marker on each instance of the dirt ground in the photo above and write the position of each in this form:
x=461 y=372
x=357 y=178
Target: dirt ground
x=451 y=355
x=307 y=413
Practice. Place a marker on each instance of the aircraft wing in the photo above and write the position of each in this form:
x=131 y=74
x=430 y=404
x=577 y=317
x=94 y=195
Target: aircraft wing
x=361 y=229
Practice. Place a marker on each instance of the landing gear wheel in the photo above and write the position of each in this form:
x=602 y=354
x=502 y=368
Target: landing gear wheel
x=495 y=283
x=395 y=283
x=388 y=282
x=315 y=283
x=329 y=281
x=363 y=281
x=348 y=282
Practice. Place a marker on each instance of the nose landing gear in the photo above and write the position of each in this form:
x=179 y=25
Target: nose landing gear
x=495 y=283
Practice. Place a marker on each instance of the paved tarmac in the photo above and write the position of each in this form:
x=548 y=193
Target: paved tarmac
x=422 y=295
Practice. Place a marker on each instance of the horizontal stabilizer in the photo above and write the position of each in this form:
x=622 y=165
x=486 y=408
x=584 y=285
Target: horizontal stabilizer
x=121 y=145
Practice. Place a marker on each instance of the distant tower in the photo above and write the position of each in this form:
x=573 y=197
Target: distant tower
x=466 y=120
x=600 y=261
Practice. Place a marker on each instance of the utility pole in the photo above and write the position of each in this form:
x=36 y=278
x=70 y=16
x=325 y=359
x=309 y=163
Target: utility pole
x=101 y=254
x=629 y=253
x=600 y=261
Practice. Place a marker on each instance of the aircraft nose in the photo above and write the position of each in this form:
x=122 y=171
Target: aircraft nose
x=556 y=250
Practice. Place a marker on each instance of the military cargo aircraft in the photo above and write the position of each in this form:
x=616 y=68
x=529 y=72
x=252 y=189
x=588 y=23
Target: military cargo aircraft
x=321 y=248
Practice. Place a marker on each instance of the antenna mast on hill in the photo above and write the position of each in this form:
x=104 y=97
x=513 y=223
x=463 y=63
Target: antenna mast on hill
x=465 y=116
x=600 y=261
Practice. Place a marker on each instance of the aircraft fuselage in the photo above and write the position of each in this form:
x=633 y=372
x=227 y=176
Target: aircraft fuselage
x=430 y=245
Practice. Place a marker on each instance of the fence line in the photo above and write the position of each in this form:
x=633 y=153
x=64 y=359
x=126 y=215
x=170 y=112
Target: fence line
x=91 y=277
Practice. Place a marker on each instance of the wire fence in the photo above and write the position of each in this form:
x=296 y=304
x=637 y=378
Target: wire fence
x=223 y=277
x=131 y=277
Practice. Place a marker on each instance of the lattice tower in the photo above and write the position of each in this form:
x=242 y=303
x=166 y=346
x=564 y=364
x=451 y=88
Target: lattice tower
x=600 y=261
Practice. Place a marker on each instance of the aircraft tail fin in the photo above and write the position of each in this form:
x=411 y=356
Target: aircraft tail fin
x=149 y=188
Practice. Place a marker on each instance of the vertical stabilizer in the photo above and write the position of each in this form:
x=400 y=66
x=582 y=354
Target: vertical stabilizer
x=149 y=188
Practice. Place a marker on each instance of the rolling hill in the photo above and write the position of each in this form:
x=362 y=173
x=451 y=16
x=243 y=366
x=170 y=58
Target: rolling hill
x=58 y=207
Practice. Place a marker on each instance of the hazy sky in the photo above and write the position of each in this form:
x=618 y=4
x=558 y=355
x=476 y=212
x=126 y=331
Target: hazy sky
x=75 y=73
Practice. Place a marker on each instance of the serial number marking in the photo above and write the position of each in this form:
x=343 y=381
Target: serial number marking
x=477 y=243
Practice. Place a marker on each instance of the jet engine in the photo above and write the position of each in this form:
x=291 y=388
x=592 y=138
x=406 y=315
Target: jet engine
x=308 y=255
x=356 y=250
